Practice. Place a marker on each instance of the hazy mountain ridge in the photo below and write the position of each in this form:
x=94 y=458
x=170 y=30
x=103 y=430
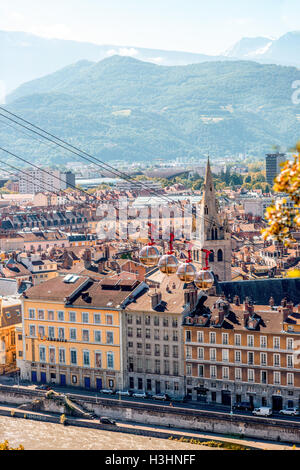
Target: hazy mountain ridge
x=122 y=108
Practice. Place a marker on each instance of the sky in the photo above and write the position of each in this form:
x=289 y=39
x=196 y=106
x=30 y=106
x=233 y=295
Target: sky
x=203 y=26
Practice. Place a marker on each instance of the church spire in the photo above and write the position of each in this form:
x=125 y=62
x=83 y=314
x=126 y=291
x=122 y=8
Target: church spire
x=209 y=202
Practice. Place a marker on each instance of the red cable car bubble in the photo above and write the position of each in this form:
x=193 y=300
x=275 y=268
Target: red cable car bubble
x=149 y=255
x=186 y=271
x=168 y=263
x=204 y=279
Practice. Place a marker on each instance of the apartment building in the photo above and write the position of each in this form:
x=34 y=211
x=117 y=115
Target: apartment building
x=38 y=180
x=237 y=353
x=10 y=319
x=72 y=332
x=153 y=336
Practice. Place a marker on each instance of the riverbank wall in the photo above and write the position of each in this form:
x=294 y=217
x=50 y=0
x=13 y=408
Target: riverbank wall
x=191 y=420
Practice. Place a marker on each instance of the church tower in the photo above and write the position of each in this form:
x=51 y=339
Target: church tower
x=212 y=232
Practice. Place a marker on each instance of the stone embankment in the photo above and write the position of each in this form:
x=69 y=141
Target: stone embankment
x=192 y=420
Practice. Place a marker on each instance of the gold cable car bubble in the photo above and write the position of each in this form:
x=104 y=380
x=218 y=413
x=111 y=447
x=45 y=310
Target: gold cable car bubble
x=204 y=279
x=186 y=271
x=168 y=263
x=149 y=255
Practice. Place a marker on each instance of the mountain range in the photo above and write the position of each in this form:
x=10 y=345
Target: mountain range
x=24 y=57
x=124 y=108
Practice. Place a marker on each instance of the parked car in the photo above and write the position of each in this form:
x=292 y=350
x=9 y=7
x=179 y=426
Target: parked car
x=108 y=391
x=43 y=387
x=162 y=397
x=124 y=393
x=140 y=395
x=290 y=411
x=263 y=411
x=105 y=420
x=243 y=406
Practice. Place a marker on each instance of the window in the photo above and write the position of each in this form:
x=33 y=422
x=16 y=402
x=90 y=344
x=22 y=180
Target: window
x=225 y=372
x=129 y=319
x=72 y=317
x=156 y=321
x=157 y=367
x=188 y=352
x=165 y=322
x=175 y=368
x=86 y=358
x=201 y=353
x=237 y=340
x=175 y=335
x=130 y=332
x=290 y=361
x=148 y=334
x=167 y=367
x=62 y=356
x=41 y=314
x=42 y=350
x=138 y=320
x=237 y=356
x=41 y=331
x=189 y=369
x=290 y=379
x=32 y=313
x=263 y=377
x=110 y=360
x=139 y=332
x=147 y=320
x=276 y=343
x=200 y=371
x=290 y=344
x=277 y=378
x=213 y=372
x=250 y=358
x=51 y=332
x=61 y=333
x=263 y=359
x=157 y=350
x=175 y=351
x=52 y=355
x=50 y=315
x=175 y=323
x=250 y=375
x=238 y=374
x=85 y=335
x=97 y=336
x=109 y=337
x=85 y=317
x=220 y=255
x=61 y=316
x=156 y=334
x=225 y=338
x=166 y=350
x=188 y=336
x=213 y=354
x=109 y=319
x=73 y=334
x=31 y=330
x=225 y=355
x=200 y=337
x=250 y=341
x=276 y=360
x=140 y=384
x=98 y=360
x=212 y=338
x=263 y=341
x=148 y=349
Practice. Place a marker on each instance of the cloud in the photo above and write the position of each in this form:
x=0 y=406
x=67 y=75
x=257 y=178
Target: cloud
x=156 y=60
x=123 y=51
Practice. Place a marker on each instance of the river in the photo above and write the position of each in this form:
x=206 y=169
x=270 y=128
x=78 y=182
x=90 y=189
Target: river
x=35 y=435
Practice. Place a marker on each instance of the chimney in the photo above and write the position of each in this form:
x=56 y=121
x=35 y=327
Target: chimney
x=272 y=302
x=155 y=299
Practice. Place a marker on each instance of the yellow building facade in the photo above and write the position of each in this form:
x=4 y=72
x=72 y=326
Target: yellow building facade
x=72 y=340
